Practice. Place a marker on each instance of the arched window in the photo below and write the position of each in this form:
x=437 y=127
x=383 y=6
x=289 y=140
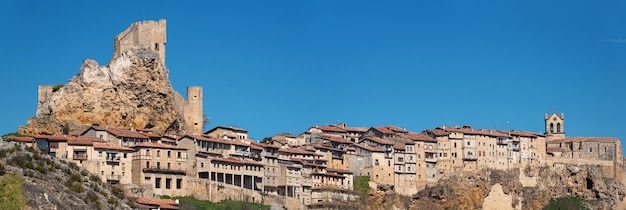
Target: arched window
x=558 y=127
x=551 y=127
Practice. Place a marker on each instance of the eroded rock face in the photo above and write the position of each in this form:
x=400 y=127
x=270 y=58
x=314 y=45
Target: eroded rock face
x=474 y=190
x=133 y=90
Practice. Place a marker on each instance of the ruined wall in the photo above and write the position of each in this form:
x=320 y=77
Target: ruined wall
x=142 y=35
x=43 y=95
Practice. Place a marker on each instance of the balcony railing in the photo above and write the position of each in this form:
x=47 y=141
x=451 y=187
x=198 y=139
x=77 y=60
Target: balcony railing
x=515 y=148
x=503 y=141
x=430 y=159
x=114 y=177
x=113 y=158
x=470 y=157
x=80 y=156
x=164 y=171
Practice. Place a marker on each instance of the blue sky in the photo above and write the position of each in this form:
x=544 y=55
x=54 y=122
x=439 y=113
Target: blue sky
x=283 y=66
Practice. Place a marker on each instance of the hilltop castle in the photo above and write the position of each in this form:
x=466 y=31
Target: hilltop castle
x=141 y=40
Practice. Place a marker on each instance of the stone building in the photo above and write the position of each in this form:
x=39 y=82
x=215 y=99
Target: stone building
x=159 y=169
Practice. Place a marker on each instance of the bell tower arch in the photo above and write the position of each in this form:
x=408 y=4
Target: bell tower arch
x=555 y=128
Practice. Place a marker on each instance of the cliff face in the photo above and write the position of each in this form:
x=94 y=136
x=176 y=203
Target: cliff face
x=133 y=90
x=496 y=189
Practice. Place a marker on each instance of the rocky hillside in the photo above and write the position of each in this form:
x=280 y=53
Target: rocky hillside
x=496 y=189
x=32 y=180
x=131 y=90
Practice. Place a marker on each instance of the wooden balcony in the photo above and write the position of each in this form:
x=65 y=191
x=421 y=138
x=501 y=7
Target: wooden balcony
x=163 y=171
x=114 y=178
x=80 y=156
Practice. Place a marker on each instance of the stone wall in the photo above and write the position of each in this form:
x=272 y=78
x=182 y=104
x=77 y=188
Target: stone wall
x=142 y=35
x=193 y=110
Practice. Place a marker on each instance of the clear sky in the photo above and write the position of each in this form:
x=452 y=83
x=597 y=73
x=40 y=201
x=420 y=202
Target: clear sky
x=283 y=66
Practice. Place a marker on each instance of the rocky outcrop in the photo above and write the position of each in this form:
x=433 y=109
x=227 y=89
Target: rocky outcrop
x=132 y=90
x=479 y=190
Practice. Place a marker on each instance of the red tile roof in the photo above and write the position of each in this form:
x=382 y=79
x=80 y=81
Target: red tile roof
x=585 y=139
x=216 y=140
x=370 y=148
x=378 y=140
x=330 y=129
x=419 y=137
x=109 y=146
x=120 y=132
x=155 y=202
x=231 y=128
x=22 y=139
x=52 y=137
x=384 y=130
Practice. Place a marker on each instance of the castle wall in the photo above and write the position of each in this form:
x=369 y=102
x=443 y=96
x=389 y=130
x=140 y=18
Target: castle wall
x=44 y=92
x=142 y=35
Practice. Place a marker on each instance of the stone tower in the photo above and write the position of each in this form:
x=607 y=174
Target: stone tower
x=193 y=110
x=142 y=35
x=555 y=128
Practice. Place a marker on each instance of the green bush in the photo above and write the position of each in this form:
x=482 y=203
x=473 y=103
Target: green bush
x=570 y=203
x=57 y=87
x=361 y=183
x=11 y=193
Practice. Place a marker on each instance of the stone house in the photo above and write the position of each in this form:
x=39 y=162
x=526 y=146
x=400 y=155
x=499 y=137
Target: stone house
x=159 y=169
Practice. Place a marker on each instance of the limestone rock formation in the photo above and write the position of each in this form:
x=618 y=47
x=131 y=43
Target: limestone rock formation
x=133 y=90
x=497 y=189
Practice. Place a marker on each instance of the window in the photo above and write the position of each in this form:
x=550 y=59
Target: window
x=156 y=46
x=551 y=127
x=157 y=183
x=389 y=163
x=179 y=155
x=147 y=164
x=100 y=154
x=125 y=155
x=168 y=183
x=147 y=152
x=201 y=165
x=454 y=144
x=158 y=153
x=168 y=165
x=590 y=149
x=158 y=164
x=179 y=183
x=146 y=178
x=376 y=162
x=558 y=127
x=169 y=154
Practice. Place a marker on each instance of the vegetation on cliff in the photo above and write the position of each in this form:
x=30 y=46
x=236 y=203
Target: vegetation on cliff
x=50 y=183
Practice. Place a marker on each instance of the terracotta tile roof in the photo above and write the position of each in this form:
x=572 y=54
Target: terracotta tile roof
x=399 y=146
x=396 y=129
x=120 y=132
x=378 y=140
x=82 y=140
x=327 y=128
x=585 y=139
x=51 y=137
x=370 y=148
x=22 y=139
x=110 y=146
x=437 y=132
x=159 y=203
x=157 y=145
x=322 y=146
x=216 y=140
x=256 y=146
x=419 y=137
x=231 y=128
x=297 y=151
x=355 y=129
x=334 y=139
x=526 y=134
x=384 y=130
x=238 y=161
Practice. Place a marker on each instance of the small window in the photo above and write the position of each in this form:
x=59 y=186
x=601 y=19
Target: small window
x=590 y=149
x=156 y=46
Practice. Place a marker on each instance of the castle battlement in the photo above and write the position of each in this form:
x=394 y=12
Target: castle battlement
x=147 y=34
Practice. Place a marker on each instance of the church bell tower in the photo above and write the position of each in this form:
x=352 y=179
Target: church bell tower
x=554 y=126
